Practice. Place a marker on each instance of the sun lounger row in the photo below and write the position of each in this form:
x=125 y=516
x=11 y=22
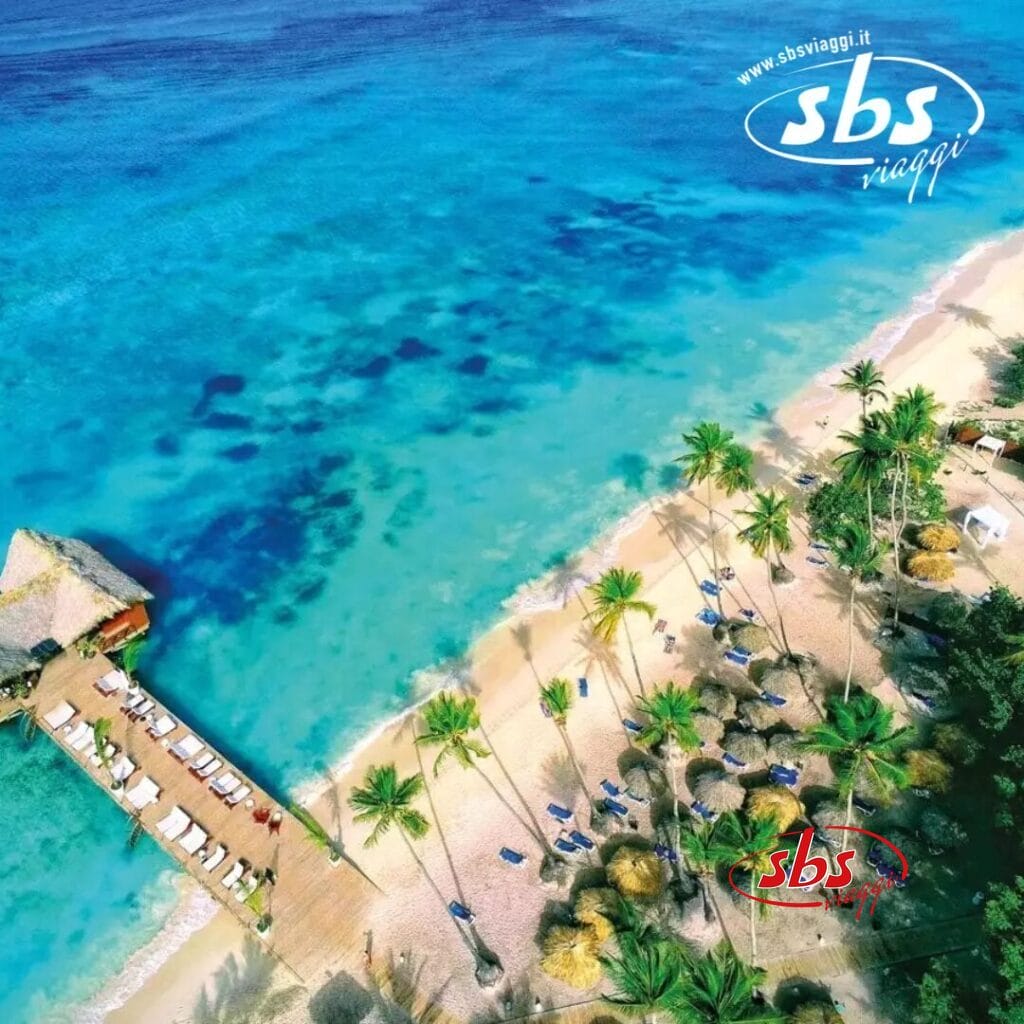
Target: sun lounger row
x=113 y=682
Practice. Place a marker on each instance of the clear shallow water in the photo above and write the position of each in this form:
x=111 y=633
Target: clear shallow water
x=335 y=326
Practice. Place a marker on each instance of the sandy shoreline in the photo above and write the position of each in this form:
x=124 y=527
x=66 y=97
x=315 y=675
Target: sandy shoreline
x=540 y=638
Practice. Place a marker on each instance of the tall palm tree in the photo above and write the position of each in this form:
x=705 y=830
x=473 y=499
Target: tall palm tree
x=863 y=748
x=449 y=720
x=387 y=801
x=865 y=463
x=669 y=712
x=615 y=594
x=736 y=471
x=704 y=854
x=768 y=537
x=865 y=380
x=131 y=655
x=707 y=445
x=742 y=837
x=101 y=736
x=558 y=699
x=718 y=988
x=861 y=556
x=647 y=976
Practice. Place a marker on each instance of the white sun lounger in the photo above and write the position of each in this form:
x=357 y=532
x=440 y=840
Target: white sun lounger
x=233 y=875
x=131 y=701
x=81 y=729
x=113 y=681
x=238 y=796
x=215 y=858
x=162 y=726
x=193 y=840
x=141 y=710
x=205 y=773
x=143 y=793
x=85 y=739
x=226 y=784
x=186 y=748
x=199 y=762
x=123 y=769
x=109 y=752
x=174 y=824
x=60 y=715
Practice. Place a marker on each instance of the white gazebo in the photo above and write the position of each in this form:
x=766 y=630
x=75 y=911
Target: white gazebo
x=993 y=523
x=995 y=445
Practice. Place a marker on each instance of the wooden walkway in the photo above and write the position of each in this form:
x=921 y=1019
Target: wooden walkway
x=313 y=904
x=877 y=949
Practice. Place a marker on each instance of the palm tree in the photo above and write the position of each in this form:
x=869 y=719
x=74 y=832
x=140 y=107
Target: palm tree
x=101 y=736
x=647 y=976
x=615 y=594
x=864 y=464
x=558 y=699
x=861 y=556
x=704 y=854
x=1016 y=655
x=718 y=988
x=387 y=801
x=865 y=380
x=768 y=537
x=864 y=749
x=669 y=712
x=449 y=720
x=131 y=655
x=708 y=444
x=751 y=840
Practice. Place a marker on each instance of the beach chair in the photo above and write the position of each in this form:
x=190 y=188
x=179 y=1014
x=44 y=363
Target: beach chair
x=610 y=788
x=773 y=698
x=161 y=727
x=141 y=710
x=583 y=686
x=234 y=874
x=186 y=748
x=517 y=860
x=143 y=793
x=60 y=715
x=200 y=762
x=659 y=626
x=461 y=913
x=708 y=616
x=748 y=613
x=783 y=776
x=806 y=479
x=85 y=739
x=226 y=784
x=863 y=806
x=818 y=546
x=235 y=798
x=615 y=808
x=215 y=859
x=584 y=842
x=631 y=726
x=96 y=759
x=666 y=853
x=193 y=840
x=703 y=811
x=174 y=824
x=130 y=702
x=81 y=729
x=709 y=587
x=821 y=563
x=113 y=681
x=559 y=813
x=564 y=846
x=124 y=768
x=670 y=644
x=210 y=769
x=733 y=762
x=734 y=655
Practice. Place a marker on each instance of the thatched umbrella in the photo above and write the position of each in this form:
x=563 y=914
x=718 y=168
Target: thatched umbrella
x=747 y=747
x=776 y=803
x=598 y=908
x=759 y=714
x=640 y=781
x=570 y=955
x=784 y=681
x=719 y=792
x=636 y=873
x=830 y=813
x=941 y=831
x=709 y=728
x=753 y=638
x=718 y=700
x=787 y=747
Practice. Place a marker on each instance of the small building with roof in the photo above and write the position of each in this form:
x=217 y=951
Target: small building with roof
x=56 y=592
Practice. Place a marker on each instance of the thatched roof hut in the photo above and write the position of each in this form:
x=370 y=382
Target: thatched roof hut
x=748 y=747
x=787 y=747
x=709 y=728
x=636 y=873
x=775 y=803
x=54 y=591
x=753 y=638
x=759 y=714
x=830 y=813
x=570 y=955
x=599 y=908
x=719 y=792
x=784 y=681
x=718 y=700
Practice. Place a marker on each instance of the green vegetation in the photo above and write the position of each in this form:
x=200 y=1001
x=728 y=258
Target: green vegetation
x=1011 y=380
x=938 y=1001
x=615 y=594
x=387 y=800
x=557 y=697
x=1004 y=925
x=315 y=832
x=865 y=380
x=768 y=537
x=450 y=719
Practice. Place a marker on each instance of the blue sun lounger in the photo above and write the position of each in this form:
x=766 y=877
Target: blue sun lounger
x=818 y=546
x=663 y=852
x=821 y=563
x=457 y=910
x=709 y=587
x=610 y=788
x=734 y=761
x=559 y=813
x=614 y=807
x=748 y=613
x=517 y=860
x=783 y=776
x=564 y=846
x=702 y=811
x=583 y=686
x=585 y=842
x=806 y=479
x=774 y=699
x=632 y=726
x=708 y=617
x=743 y=660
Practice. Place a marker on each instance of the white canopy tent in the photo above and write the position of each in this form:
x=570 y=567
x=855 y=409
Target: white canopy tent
x=994 y=523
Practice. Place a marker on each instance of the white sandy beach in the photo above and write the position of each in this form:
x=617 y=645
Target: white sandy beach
x=667 y=542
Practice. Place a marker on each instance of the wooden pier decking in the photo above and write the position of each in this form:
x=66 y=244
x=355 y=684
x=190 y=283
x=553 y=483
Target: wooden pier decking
x=312 y=903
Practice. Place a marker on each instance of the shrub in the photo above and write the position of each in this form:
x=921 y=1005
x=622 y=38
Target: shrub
x=938 y=537
x=832 y=506
x=932 y=566
x=955 y=743
x=927 y=770
x=949 y=612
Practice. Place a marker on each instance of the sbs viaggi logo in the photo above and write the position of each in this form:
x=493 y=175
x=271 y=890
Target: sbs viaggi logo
x=901 y=119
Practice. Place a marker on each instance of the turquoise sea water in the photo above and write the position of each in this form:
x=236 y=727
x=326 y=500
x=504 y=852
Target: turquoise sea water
x=335 y=322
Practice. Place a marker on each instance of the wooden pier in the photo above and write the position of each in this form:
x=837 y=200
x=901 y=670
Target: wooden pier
x=311 y=902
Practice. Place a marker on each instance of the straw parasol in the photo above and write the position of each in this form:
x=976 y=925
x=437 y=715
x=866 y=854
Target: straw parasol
x=830 y=813
x=598 y=908
x=719 y=792
x=787 y=746
x=641 y=781
x=709 y=728
x=753 y=638
x=570 y=955
x=718 y=700
x=784 y=681
x=636 y=873
x=776 y=803
x=759 y=714
x=747 y=747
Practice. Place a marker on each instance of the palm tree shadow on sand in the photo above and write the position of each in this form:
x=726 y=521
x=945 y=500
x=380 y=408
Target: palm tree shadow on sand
x=333 y=799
